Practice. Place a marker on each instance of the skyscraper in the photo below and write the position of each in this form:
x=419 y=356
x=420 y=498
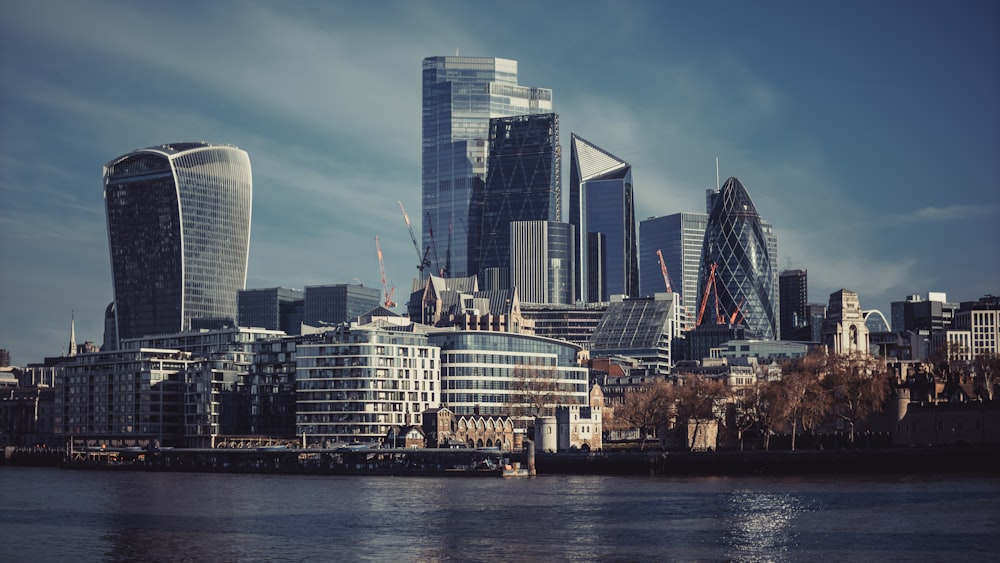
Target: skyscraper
x=793 y=298
x=542 y=258
x=523 y=184
x=179 y=234
x=679 y=237
x=601 y=201
x=736 y=264
x=460 y=95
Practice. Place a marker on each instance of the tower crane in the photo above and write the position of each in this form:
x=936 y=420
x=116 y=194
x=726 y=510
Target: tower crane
x=433 y=245
x=704 y=298
x=386 y=293
x=424 y=261
x=663 y=267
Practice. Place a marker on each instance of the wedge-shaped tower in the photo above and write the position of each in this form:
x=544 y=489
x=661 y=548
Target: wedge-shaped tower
x=601 y=201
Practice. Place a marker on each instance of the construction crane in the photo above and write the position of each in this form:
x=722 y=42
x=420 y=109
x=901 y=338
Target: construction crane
x=433 y=245
x=709 y=286
x=663 y=266
x=424 y=261
x=386 y=293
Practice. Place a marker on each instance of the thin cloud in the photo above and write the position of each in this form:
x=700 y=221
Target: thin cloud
x=956 y=212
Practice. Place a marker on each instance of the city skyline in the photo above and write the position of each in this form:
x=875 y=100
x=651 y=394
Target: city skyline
x=869 y=147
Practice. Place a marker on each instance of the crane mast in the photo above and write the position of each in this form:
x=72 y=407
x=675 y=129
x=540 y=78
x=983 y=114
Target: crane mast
x=424 y=261
x=386 y=293
x=663 y=267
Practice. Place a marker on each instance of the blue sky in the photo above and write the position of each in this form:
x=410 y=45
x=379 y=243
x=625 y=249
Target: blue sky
x=868 y=133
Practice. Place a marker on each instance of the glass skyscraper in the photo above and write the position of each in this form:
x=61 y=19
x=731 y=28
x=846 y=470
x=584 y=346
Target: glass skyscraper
x=460 y=96
x=679 y=237
x=179 y=234
x=522 y=184
x=601 y=201
x=736 y=253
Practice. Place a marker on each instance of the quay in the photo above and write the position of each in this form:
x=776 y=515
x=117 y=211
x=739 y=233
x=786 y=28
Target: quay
x=462 y=462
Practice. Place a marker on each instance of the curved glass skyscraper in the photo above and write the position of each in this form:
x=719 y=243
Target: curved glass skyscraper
x=736 y=254
x=179 y=235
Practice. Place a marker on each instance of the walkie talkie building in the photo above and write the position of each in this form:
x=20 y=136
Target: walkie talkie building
x=179 y=234
x=735 y=253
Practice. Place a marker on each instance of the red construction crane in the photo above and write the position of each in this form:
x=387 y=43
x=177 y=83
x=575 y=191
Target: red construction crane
x=424 y=261
x=663 y=266
x=709 y=286
x=386 y=293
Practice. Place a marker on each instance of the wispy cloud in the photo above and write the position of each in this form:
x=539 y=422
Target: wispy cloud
x=954 y=212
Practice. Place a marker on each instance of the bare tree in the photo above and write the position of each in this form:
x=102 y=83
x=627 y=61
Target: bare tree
x=987 y=368
x=698 y=400
x=534 y=391
x=646 y=409
x=859 y=386
x=802 y=398
x=752 y=407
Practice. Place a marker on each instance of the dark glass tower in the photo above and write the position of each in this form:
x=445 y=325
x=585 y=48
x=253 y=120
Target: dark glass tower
x=735 y=253
x=793 y=299
x=601 y=201
x=179 y=234
x=522 y=185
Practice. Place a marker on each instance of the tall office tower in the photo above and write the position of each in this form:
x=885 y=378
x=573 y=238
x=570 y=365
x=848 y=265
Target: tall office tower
x=736 y=272
x=522 y=184
x=601 y=201
x=541 y=261
x=179 y=233
x=793 y=300
x=460 y=95
x=679 y=237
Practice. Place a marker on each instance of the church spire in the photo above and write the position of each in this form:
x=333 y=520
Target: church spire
x=72 y=334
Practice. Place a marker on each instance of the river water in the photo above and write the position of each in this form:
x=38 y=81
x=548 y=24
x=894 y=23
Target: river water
x=65 y=515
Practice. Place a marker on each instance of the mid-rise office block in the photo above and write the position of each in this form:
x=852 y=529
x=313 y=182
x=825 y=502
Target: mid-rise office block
x=642 y=328
x=460 y=96
x=508 y=374
x=522 y=184
x=179 y=233
x=542 y=257
x=275 y=308
x=335 y=304
x=602 y=201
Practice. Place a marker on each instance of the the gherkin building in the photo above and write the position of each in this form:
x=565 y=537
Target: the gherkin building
x=736 y=282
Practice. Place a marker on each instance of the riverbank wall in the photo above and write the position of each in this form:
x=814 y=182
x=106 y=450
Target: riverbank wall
x=985 y=459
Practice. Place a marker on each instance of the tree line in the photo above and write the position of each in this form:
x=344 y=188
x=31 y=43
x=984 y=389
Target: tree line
x=814 y=390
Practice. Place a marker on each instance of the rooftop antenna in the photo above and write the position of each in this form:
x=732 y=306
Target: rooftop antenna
x=718 y=186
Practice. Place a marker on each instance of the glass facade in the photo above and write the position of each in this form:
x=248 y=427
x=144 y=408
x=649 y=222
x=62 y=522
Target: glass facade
x=737 y=248
x=640 y=328
x=460 y=95
x=541 y=261
x=679 y=237
x=523 y=184
x=793 y=300
x=334 y=304
x=275 y=308
x=179 y=234
x=481 y=372
x=601 y=201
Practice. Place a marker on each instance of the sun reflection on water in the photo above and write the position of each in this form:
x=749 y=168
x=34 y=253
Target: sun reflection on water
x=760 y=524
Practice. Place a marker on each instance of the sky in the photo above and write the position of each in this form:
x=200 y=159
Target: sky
x=867 y=133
